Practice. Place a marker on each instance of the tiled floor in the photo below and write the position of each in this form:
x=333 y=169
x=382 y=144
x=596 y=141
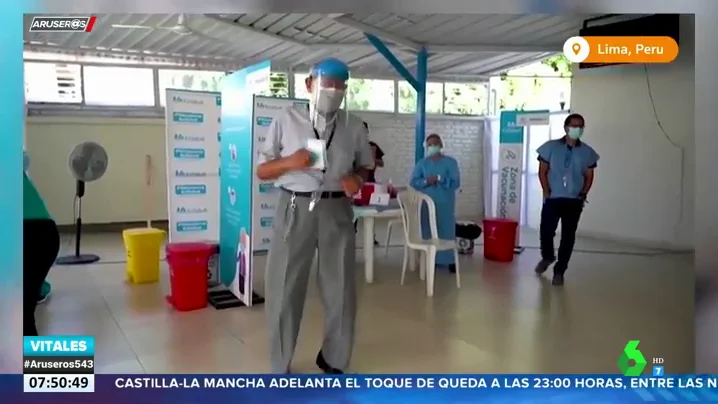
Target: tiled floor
x=503 y=319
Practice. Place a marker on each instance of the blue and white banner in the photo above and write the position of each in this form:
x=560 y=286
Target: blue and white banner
x=511 y=160
x=193 y=125
x=237 y=177
x=266 y=110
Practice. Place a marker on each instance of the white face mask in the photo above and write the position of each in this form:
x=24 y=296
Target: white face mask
x=328 y=100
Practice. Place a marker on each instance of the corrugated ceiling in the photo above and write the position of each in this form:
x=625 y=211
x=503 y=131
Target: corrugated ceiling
x=460 y=45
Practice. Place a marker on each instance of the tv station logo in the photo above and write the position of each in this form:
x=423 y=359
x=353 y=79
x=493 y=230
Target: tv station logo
x=631 y=363
x=62 y=24
x=59 y=364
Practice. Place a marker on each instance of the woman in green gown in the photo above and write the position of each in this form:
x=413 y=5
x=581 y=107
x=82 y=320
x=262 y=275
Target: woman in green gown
x=41 y=243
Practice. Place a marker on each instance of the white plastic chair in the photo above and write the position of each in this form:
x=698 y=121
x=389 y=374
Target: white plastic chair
x=392 y=223
x=411 y=202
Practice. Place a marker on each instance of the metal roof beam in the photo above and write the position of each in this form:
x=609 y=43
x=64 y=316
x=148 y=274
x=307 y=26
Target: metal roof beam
x=378 y=32
x=497 y=47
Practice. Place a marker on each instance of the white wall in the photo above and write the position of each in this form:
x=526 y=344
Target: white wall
x=120 y=195
x=637 y=193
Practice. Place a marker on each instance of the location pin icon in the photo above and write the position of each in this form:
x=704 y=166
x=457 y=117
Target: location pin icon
x=576 y=48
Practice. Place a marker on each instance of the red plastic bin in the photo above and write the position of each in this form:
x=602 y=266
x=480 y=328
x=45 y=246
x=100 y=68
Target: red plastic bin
x=499 y=239
x=188 y=264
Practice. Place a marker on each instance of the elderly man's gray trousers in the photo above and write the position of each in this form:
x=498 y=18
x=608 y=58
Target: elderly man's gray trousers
x=298 y=233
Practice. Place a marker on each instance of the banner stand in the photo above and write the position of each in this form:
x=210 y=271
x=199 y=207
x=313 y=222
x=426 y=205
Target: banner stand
x=512 y=125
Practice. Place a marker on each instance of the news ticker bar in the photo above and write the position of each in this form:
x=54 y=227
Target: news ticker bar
x=55 y=365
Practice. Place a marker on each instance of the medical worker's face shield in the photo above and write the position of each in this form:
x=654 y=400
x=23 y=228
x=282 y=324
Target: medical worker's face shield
x=327 y=84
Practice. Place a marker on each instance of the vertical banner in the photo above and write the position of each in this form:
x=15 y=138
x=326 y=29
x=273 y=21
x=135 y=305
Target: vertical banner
x=192 y=125
x=511 y=161
x=237 y=177
x=266 y=110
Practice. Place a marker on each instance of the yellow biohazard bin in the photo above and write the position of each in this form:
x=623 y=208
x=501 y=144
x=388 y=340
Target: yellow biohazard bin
x=143 y=247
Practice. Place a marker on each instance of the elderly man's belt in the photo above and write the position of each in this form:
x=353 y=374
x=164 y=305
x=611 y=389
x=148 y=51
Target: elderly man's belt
x=324 y=195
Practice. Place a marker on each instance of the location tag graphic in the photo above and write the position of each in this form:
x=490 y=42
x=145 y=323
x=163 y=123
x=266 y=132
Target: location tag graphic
x=576 y=49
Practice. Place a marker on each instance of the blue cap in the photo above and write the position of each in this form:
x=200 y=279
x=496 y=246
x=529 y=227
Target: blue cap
x=331 y=67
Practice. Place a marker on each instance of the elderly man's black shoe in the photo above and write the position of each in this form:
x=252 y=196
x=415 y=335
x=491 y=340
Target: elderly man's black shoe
x=325 y=367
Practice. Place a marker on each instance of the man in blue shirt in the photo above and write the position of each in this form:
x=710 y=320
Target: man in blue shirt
x=566 y=169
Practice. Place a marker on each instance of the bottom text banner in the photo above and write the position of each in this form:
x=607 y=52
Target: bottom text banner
x=359 y=389
x=58 y=383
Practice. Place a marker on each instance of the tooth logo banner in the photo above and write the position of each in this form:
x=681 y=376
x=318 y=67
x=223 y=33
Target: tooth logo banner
x=192 y=124
x=237 y=179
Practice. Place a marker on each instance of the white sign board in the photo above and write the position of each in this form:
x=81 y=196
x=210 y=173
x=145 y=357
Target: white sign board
x=266 y=110
x=511 y=159
x=192 y=128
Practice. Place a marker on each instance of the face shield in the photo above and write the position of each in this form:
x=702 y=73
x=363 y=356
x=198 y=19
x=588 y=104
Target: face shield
x=328 y=88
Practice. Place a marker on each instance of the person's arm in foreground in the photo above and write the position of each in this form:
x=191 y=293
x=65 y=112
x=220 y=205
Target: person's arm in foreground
x=271 y=164
x=379 y=162
x=364 y=158
x=544 y=156
x=363 y=164
x=453 y=181
x=589 y=175
x=418 y=180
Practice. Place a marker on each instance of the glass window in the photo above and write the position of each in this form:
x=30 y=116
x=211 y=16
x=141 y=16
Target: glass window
x=466 y=98
x=370 y=95
x=278 y=85
x=528 y=93
x=120 y=86
x=300 y=88
x=434 y=98
x=196 y=80
x=53 y=82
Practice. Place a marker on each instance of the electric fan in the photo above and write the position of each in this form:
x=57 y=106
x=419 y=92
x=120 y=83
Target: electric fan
x=88 y=162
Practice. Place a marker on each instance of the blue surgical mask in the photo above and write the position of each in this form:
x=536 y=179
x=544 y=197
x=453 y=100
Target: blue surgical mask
x=574 y=133
x=433 y=150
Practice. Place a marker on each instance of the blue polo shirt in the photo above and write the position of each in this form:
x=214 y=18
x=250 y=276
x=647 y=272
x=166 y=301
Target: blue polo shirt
x=567 y=166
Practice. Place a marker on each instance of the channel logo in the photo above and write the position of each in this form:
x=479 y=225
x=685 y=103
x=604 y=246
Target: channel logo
x=184 y=153
x=266 y=188
x=187 y=117
x=182 y=100
x=184 y=174
x=264 y=121
x=188 y=138
x=190 y=189
x=266 y=221
x=183 y=210
x=192 y=226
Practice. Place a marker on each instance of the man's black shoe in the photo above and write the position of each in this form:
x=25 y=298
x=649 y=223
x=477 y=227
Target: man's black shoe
x=557 y=280
x=542 y=266
x=325 y=367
